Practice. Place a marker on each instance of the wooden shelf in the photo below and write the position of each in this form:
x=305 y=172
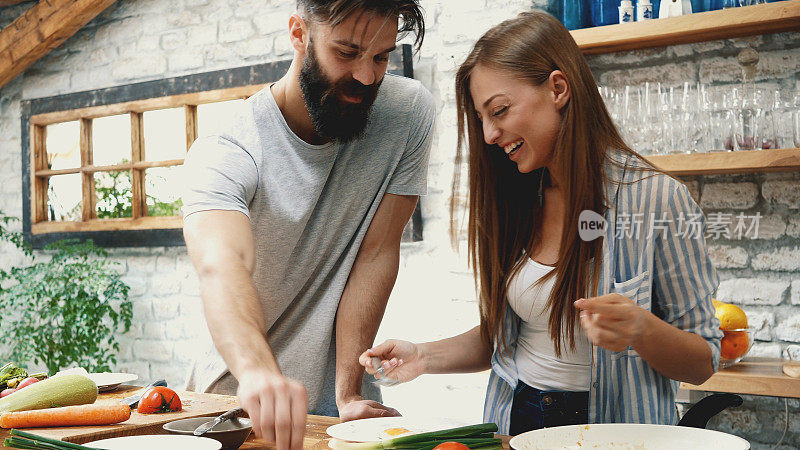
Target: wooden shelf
x=752 y=376
x=779 y=160
x=706 y=26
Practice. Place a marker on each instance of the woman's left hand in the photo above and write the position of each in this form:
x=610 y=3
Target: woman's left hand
x=612 y=321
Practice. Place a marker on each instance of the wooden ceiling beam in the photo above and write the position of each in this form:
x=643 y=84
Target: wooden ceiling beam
x=42 y=28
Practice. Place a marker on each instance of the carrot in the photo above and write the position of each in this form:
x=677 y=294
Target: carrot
x=67 y=416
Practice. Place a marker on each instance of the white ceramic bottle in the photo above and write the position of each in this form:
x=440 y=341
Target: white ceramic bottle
x=674 y=8
x=626 y=11
x=644 y=10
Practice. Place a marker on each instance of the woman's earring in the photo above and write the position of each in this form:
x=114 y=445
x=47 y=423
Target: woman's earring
x=541 y=189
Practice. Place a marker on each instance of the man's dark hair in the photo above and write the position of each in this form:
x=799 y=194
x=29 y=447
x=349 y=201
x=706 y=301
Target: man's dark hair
x=334 y=12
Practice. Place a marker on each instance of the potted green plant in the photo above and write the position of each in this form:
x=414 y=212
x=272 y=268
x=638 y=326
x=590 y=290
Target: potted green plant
x=64 y=308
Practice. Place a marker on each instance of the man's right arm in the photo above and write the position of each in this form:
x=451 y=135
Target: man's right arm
x=221 y=246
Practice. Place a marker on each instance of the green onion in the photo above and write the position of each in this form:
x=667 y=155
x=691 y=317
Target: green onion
x=481 y=434
x=28 y=444
x=28 y=440
x=460 y=432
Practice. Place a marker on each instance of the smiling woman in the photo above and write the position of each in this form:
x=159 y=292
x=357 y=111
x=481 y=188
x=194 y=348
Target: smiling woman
x=572 y=328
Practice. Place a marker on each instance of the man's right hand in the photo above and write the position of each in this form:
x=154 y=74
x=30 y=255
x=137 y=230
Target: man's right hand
x=277 y=407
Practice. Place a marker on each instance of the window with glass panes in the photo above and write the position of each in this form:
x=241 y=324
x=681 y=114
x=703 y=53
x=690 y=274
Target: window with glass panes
x=118 y=167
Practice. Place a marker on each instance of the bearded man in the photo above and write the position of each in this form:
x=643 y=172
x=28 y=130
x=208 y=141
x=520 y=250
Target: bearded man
x=293 y=218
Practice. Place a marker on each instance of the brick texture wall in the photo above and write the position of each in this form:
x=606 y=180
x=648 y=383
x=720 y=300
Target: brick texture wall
x=139 y=40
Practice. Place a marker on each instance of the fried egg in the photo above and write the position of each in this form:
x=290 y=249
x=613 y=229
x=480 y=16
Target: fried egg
x=391 y=433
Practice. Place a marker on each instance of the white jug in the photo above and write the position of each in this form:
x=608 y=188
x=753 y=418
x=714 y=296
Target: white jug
x=674 y=8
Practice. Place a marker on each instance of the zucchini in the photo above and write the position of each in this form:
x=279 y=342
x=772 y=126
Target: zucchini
x=63 y=390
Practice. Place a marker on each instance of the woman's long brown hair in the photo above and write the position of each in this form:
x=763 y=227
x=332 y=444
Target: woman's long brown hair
x=503 y=204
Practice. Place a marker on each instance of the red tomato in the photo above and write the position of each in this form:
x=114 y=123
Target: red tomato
x=27 y=382
x=7 y=391
x=451 y=446
x=159 y=399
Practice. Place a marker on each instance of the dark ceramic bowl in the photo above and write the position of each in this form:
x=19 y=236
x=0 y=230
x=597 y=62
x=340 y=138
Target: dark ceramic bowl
x=231 y=433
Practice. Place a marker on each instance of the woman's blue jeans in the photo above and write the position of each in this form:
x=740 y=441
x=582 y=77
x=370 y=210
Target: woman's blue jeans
x=534 y=409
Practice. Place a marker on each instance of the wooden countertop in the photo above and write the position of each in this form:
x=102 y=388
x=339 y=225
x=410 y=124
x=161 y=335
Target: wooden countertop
x=316 y=438
x=196 y=404
x=753 y=376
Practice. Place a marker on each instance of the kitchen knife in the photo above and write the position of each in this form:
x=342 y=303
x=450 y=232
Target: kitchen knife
x=133 y=400
x=202 y=429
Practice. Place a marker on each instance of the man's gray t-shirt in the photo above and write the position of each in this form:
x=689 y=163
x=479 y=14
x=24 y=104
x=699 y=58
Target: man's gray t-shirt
x=309 y=208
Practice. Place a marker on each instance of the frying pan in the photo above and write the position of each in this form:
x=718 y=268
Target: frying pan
x=689 y=434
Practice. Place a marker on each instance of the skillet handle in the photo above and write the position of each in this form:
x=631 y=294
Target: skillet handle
x=698 y=415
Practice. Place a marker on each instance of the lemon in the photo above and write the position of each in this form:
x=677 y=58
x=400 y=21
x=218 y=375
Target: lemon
x=731 y=317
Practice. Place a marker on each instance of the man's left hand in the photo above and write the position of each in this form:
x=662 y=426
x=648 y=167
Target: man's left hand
x=612 y=321
x=364 y=409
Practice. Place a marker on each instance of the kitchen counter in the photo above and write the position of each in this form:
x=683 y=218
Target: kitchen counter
x=753 y=376
x=195 y=405
x=316 y=438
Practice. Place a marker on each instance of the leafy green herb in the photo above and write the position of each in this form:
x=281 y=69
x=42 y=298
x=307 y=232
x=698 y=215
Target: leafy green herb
x=65 y=308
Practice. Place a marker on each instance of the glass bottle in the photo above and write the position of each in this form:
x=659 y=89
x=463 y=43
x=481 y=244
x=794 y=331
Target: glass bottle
x=604 y=12
x=701 y=6
x=656 y=5
x=573 y=14
x=716 y=4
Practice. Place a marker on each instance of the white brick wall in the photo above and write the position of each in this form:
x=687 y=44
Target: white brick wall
x=782 y=193
x=728 y=257
x=729 y=196
x=141 y=40
x=752 y=291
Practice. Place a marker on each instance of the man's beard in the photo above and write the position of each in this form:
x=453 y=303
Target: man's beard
x=332 y=117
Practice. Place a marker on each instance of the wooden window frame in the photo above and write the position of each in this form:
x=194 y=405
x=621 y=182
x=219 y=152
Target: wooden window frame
x=137 y=165
x=187 y=92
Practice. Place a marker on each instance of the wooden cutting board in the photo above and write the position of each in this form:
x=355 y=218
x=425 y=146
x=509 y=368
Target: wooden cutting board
x=194 y=405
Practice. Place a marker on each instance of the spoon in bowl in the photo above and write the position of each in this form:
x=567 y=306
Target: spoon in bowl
x=208 y=426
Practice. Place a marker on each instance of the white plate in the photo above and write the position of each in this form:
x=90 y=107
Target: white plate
x=107 y=381
x=365 y=430
x=624 y=436
x=156 y=442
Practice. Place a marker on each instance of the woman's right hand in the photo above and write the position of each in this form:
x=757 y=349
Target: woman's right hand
x=401 y=360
